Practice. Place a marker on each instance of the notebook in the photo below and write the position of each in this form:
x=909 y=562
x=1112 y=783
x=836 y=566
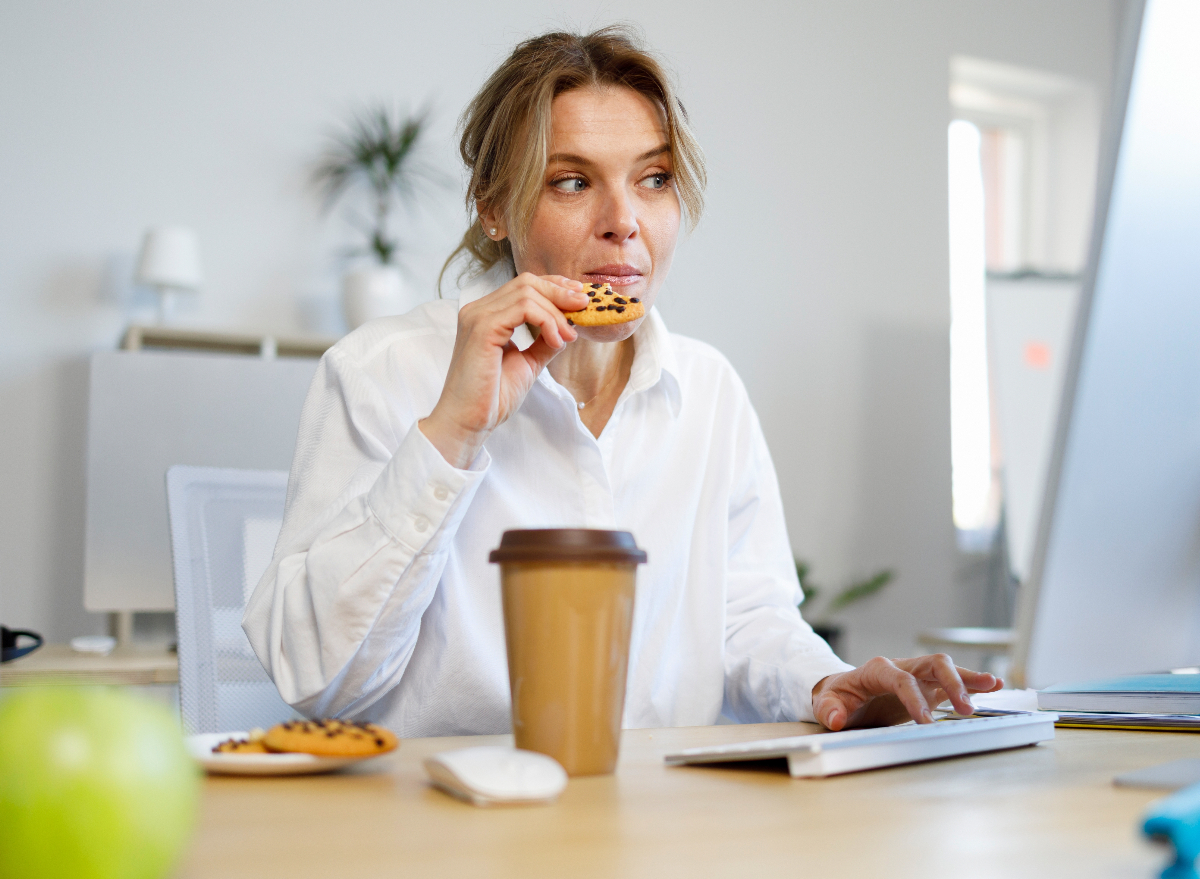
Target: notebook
x=1130 y=721
x=825 y=754
x=1142 y=694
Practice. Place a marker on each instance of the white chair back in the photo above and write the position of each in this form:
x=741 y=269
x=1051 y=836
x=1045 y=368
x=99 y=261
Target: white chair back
x=224 y=524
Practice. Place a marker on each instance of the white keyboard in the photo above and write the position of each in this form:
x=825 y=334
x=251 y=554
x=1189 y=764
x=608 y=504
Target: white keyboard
x=823 y=754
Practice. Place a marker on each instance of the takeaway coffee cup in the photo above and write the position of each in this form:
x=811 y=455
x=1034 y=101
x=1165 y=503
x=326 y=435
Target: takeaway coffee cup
x=568 y=609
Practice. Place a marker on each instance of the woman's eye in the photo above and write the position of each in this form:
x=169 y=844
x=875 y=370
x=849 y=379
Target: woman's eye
x=656 y=181
x=570 y=184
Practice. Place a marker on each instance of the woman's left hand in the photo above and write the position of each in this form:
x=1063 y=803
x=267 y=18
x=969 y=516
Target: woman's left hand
x=887 y=691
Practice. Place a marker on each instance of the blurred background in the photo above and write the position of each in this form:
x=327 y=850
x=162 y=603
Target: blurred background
x=891 y=187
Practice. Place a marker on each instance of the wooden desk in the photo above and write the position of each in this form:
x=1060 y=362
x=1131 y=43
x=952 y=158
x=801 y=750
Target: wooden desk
x=59 y=664
x=1050 y=810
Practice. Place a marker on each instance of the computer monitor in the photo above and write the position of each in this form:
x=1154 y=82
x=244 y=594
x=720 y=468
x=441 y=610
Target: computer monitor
x=150 y=410
x=1114 y=586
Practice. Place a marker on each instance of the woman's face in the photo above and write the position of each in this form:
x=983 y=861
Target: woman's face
x=608 y=211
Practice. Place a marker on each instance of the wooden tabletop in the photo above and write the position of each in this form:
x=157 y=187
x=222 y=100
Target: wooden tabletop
x=1050 y=810
x=59 y=664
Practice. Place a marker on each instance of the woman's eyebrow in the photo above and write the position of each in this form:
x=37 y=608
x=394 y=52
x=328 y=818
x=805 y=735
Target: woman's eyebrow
x=657 y=151
x=575 y=159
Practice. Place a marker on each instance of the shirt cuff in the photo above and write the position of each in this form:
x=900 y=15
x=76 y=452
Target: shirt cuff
x=420 y=495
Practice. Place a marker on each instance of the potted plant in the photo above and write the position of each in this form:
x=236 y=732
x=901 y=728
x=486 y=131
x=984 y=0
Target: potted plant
x=820 y=619
x=375 y=153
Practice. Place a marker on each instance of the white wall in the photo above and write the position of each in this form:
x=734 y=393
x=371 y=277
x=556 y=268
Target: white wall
x=825 y=125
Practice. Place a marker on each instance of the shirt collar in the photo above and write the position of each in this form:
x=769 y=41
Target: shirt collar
x=654 y=360
x=654 y=363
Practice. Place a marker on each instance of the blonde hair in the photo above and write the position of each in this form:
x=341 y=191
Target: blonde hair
x=506 y=130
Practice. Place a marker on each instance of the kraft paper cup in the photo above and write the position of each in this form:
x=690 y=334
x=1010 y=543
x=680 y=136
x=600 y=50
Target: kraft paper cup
x=568 y=597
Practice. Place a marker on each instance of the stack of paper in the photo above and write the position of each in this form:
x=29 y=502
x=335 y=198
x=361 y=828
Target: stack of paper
x=1117 y=720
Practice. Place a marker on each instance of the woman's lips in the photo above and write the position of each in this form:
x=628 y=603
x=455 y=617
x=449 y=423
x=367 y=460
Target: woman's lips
x=617 y=276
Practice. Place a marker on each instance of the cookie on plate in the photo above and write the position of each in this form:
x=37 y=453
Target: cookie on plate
x=605 y=308
x=330 y=738
x=241 y=746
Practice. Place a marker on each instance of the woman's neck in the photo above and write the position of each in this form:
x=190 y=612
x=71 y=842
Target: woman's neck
x=595 y=373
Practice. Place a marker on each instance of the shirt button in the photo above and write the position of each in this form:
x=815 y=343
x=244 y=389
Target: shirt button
x=421 y=524
x=440 y=493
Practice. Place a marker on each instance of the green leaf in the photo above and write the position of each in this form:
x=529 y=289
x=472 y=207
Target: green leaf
x=376 y=150
x=858 y=591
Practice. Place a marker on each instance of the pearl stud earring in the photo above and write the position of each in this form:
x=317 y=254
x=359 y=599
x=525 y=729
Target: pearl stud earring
x=493 y=232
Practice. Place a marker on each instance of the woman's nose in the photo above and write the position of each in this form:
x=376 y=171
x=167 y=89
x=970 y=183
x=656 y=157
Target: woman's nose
x=618 y=222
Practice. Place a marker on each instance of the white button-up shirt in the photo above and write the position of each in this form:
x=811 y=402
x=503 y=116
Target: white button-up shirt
x=380 y=601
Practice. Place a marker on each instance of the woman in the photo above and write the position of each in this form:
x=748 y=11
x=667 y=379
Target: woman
x=425 y=436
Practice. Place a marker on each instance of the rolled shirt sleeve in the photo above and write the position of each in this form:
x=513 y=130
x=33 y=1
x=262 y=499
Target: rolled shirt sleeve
x=773 y=658
x=335 y=618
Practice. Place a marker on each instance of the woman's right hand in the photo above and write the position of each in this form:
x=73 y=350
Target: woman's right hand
x=489 y=376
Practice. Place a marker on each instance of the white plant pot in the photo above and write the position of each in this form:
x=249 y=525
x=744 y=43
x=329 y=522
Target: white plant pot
x=374 y=291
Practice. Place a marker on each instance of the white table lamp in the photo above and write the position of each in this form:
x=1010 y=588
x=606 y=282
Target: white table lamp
x=169 y=262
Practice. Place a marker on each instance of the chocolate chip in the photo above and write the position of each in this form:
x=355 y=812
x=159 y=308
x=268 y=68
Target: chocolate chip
x=571 y=322
x=633 y=299
x=597 y=299
x=619 y=301
x=608 y=292
x=619 y=308
x=379 y=742
x=602 y=308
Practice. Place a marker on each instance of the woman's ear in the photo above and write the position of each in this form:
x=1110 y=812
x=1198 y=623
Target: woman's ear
x=493 y=226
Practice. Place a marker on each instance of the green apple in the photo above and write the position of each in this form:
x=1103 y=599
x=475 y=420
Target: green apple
x=95 y=783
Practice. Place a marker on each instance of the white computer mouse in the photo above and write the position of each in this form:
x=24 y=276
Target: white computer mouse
x=494 y=775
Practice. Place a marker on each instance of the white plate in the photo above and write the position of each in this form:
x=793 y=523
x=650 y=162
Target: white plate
x=201 y=748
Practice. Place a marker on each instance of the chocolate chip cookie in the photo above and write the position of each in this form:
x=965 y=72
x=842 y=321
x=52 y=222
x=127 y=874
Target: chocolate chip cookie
x=605 y=308
x=330 y=738
x=240 y=746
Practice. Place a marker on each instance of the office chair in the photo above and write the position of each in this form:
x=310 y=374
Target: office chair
x=224 y=524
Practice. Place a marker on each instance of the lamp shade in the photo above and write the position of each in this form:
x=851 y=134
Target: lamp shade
x=170 y=258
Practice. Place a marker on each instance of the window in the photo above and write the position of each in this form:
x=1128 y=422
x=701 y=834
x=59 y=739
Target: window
x=1022 y=163
x=970 y=419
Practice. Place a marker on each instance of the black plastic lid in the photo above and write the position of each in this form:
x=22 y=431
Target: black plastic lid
x=567 y=545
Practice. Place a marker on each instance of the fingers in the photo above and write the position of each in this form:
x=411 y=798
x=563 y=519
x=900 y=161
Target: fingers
x=881 y=684
x=564 y=293
x=904 y=686
x=882 y=690
x=957 y=683
x=557 y=282
x=942 y=671
x=539 y=354
x=980 y=681
x=833 y=717
x=530 y=299
x=828 y=708
x=549 y=320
